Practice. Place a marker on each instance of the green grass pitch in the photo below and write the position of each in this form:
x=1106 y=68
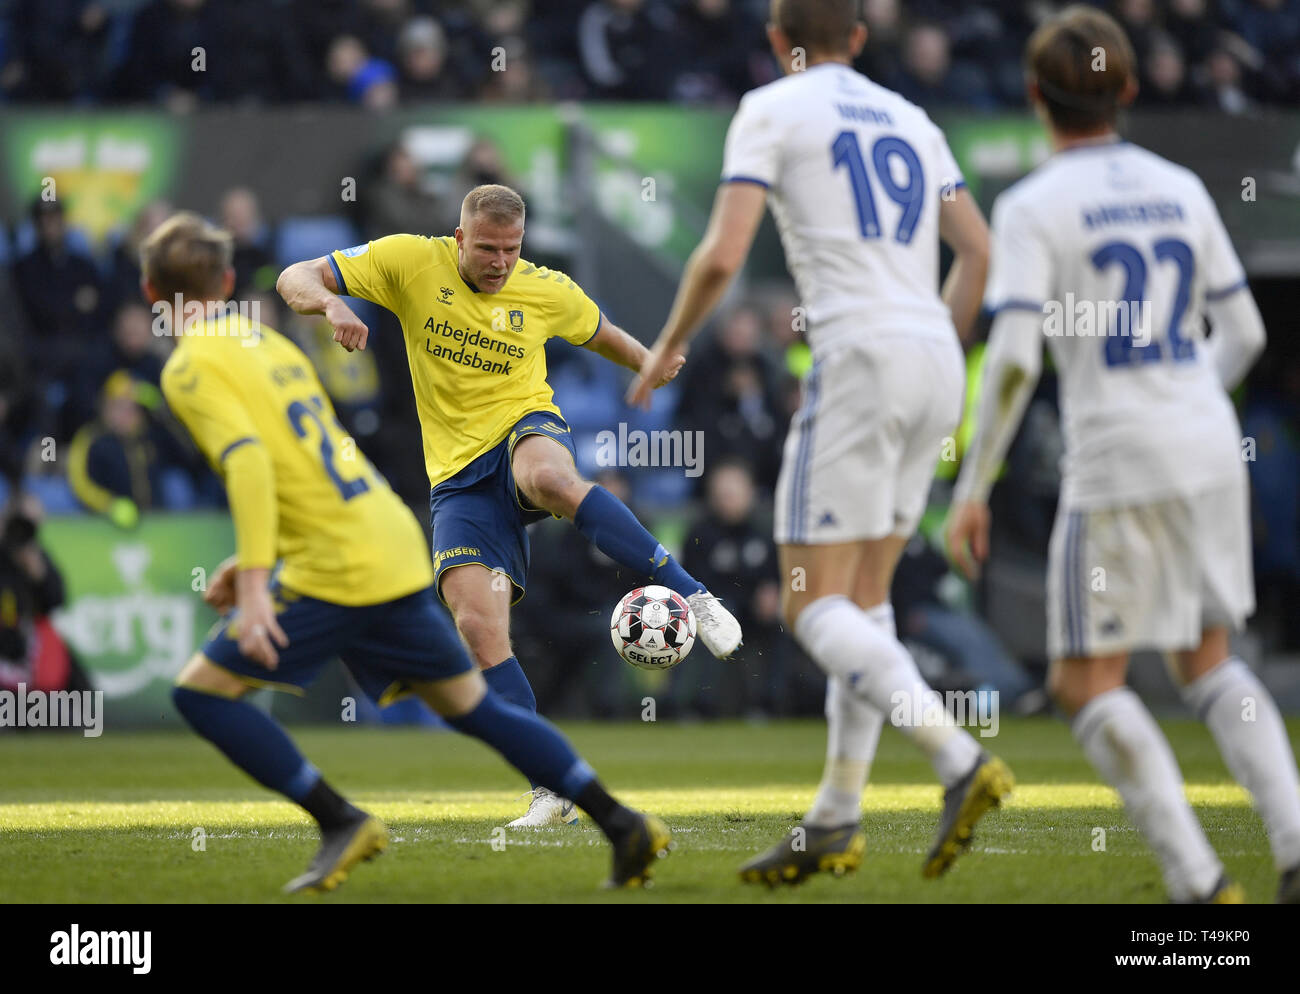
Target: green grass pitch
x=112 y=819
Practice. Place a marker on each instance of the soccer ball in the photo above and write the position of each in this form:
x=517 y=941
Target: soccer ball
x=653 y=628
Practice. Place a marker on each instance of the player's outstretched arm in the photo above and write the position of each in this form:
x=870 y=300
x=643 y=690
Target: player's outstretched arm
x=962 y=227
x=737 y=209
x=310 y=288
x=613 y=343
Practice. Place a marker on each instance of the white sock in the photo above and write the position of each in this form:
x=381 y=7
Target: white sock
x=852 y=733
x=873 y=665
x=1127 y=747
x=1244 y=720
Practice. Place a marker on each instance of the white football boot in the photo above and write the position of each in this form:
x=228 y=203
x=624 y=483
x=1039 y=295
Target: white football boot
x=717 y=627
x=546 y=809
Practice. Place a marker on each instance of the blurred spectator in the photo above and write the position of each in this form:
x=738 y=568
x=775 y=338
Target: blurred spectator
x=1138 y=18
x=928 y=76
x=517 y=81
x=722 y=52
x=879 y=58
x=422 y=59
x=63 y=298
x=241 y=215
x=730 y=550
x=730 y=390
x=1272 y=29
x=124 y=262
x=118 y=464
x=57 y=49
x=31 y=651
x=1225 y=82
x=132 y=347
x=1189 y=24
x=482 y=164
x=398 y=200
x=627 y=49
x=359 y=77
x=1164 y=76
x=183 y=52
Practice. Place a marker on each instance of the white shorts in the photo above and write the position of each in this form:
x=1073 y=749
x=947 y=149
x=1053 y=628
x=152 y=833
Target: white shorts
x=864 y=444
x=1149 y=576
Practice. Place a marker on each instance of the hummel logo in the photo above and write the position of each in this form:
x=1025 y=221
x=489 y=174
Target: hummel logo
x=446 y=292
x=826 y=519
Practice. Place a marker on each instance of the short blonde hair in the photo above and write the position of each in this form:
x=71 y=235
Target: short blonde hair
x=498 y=203
x=187 y=255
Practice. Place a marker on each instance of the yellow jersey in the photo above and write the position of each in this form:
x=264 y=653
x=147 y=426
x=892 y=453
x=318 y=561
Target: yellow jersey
x=477 y=360
x=344 y=536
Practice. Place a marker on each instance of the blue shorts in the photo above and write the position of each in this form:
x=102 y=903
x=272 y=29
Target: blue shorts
x=479 y=515
x=387 y=646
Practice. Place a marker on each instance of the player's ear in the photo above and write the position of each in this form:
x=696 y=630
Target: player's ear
x=857 y=38
x=780 y=45
x=1129 y=93
x=1032 y=93
x=147 y=289
x=228 y=283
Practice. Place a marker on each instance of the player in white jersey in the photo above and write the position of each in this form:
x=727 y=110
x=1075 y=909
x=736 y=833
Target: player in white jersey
x=862 y=186
x=1115 y=255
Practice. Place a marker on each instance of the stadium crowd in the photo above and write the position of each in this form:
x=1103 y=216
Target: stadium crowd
x=1225 y=54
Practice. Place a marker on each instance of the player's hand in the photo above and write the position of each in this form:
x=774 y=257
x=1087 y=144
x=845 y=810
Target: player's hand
x=657 y=368
x=349 y=330
x=967 y=536
x=259 y=632
x=220 y=595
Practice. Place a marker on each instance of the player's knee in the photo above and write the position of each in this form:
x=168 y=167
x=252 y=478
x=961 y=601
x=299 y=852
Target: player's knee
x=1068 y=692
x=482 y=635
x=547 y=485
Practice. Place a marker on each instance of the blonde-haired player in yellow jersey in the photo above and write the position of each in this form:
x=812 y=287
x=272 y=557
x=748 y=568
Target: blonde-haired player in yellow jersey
x=353 y=581
x=475 y=318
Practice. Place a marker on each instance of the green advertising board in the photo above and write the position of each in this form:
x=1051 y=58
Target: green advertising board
x=134 y=612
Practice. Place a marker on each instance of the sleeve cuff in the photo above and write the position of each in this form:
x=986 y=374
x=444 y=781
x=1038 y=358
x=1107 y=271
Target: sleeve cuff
x=599 y=317
x=246 y=440
x=747 y=179
x=1015 y=304
x=1227 y=291
x=338 y=276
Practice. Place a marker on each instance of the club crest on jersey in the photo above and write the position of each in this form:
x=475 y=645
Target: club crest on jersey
x=516 y=320
x=446 y=292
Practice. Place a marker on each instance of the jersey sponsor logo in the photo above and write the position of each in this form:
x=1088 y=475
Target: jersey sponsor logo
x=472 y=344
x=355 y=250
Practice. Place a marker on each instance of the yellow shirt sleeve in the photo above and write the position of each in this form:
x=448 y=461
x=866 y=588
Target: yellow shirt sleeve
x=576 y=316
x=215 y=416
x=378 y=270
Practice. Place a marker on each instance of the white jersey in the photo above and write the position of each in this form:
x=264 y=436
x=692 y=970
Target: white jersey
x=855 y=175
x=1119 y=250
